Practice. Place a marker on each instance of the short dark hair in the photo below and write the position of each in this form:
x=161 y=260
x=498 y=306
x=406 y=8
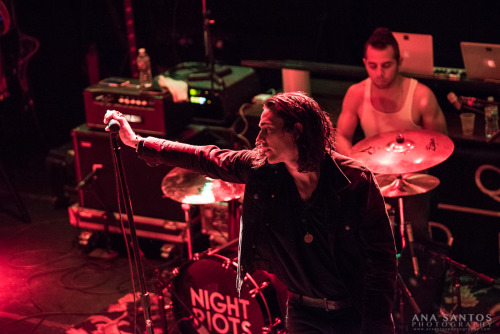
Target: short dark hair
x=317 y=137
x=382 y=38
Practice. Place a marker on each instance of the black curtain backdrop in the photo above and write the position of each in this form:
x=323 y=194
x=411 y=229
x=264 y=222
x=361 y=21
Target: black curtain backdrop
x=171 y=31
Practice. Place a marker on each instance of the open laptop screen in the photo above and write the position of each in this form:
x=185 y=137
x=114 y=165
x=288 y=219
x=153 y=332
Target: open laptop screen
x=481 y=60
x=417 y=53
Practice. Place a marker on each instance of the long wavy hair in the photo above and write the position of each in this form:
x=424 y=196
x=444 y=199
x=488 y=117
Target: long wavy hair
x=317 y=136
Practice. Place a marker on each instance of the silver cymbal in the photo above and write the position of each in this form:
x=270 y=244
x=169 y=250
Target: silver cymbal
x=406 y=185
x=185 y=186
x=399 y=152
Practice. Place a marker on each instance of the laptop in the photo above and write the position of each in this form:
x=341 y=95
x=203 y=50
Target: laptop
x=481 y=60
x=417 y=53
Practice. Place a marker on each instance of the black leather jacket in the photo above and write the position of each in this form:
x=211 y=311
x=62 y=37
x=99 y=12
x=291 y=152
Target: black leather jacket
x=361 y=237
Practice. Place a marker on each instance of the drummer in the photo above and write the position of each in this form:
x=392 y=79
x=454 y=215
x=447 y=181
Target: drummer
x=387 y=101
x=314 y=218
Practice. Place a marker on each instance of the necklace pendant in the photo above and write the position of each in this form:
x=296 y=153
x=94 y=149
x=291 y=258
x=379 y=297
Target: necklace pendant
x=308 y=238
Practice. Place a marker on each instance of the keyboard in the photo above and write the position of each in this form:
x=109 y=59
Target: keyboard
x=449 y=73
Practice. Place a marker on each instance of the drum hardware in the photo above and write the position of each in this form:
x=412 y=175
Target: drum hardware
x=394 y=186
x=189 y=235
x=192 y=188
x=223 y=247
x=255 y=291
x=401 y=186
x=184 y=186
x=160 y=286
x=400 y=152
x=456 y=270
x=205 y=299
x=392 y=156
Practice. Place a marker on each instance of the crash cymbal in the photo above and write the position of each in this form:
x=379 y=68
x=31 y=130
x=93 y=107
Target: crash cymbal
x=185 y=186
x=226 y=191
x=406 y=185
x=400 y=152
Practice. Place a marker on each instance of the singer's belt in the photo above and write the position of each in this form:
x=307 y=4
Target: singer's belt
x=328 y=305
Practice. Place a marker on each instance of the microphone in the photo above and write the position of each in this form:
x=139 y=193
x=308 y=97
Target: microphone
x=114 y=126
x=469 y=101
x=90 y=176
x=475 y=102
x=463 y=104
x=453 y=99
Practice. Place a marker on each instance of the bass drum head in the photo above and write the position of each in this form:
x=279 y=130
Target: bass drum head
x=205 y=299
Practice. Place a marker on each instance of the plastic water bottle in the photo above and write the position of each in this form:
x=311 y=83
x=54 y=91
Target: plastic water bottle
x=144 y=67
x=491 y=118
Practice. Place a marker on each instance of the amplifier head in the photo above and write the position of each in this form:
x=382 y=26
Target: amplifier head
x=148 y=112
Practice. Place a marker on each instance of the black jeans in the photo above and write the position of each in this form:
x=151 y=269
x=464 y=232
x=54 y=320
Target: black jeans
x=310 y=320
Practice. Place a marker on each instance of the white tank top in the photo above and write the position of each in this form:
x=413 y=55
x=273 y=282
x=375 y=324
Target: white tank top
x=374 y=121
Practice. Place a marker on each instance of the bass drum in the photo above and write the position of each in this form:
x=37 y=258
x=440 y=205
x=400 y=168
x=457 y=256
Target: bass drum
x=205 y=299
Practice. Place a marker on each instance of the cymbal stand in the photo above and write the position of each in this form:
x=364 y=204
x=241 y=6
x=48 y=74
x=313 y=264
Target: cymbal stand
x=125 y=196
x=189 y=235
x=406 y=226
x=160 y=286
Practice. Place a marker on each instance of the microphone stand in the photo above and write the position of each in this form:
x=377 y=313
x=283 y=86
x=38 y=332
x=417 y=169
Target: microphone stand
x=209 y=54
x=145 y=298
x=405 y=294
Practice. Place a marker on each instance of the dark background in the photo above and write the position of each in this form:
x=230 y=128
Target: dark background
x=40 y=118
x=171 y=31
x=45 y=102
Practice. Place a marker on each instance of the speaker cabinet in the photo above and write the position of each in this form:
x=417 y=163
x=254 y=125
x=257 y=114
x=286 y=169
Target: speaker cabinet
x=94 y=164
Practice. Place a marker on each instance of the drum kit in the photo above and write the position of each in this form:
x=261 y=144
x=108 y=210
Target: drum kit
x=191 y=188
x=203 y=290
x=398 y=160
x=396 y=157
x=204 y=295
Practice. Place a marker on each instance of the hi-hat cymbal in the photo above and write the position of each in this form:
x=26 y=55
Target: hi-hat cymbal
x=399 y=152
x=406 y=185
x=185 y=186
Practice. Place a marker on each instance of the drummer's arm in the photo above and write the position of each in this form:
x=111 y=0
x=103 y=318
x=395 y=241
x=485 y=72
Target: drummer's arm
x=431 y=114
x=347 y=121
